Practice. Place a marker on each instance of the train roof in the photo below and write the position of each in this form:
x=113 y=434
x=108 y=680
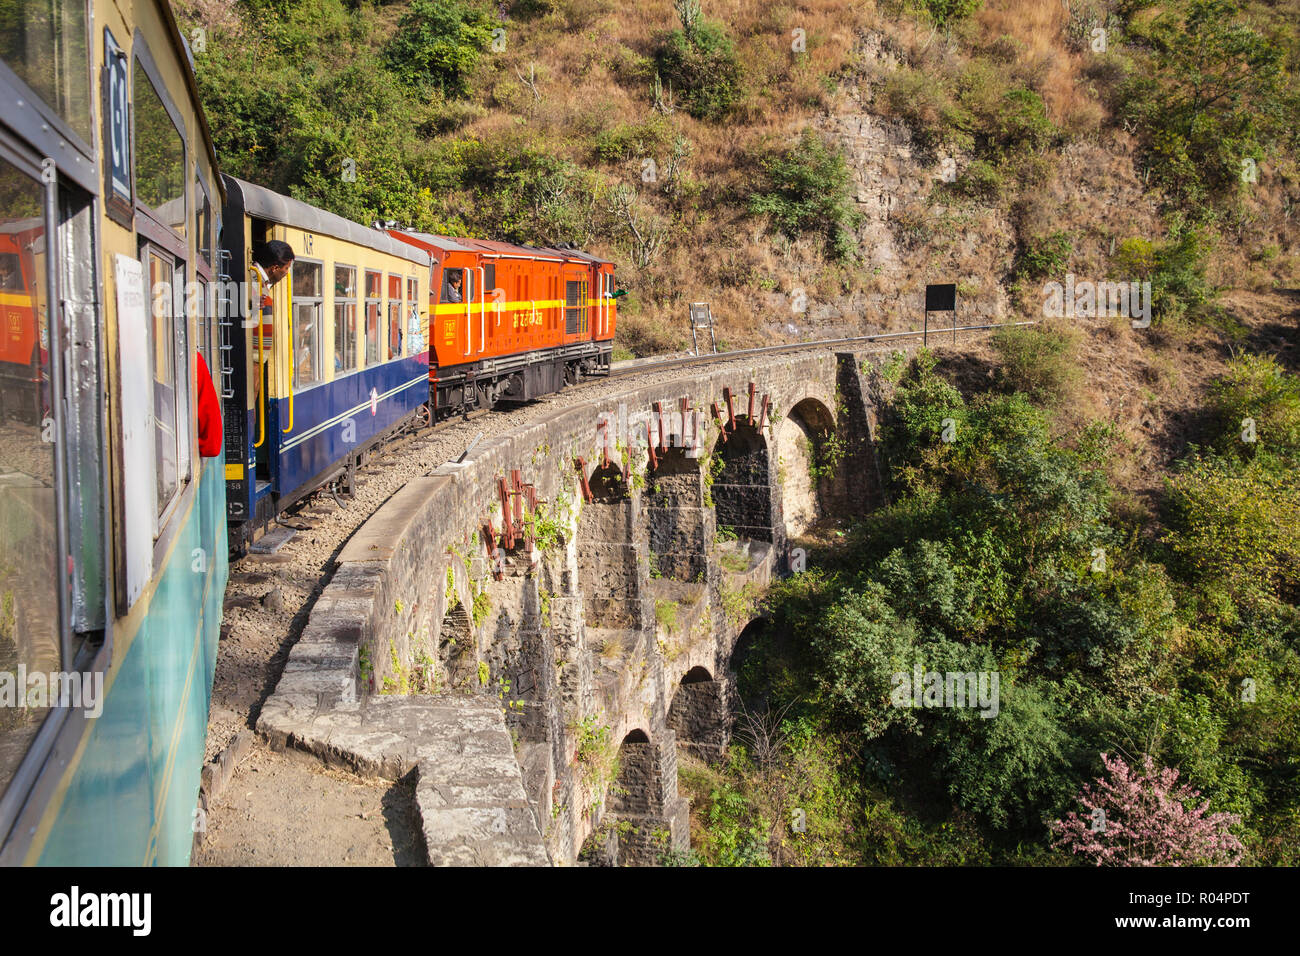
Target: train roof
x=266 y=204
x=492 y=247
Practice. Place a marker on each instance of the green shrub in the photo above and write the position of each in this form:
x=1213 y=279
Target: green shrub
x=1256 y=387
x=1040 y=361
x=945 y=12
x=1212 y=96
x=1042 y=256
x=806 y=188
x=702 y=69
x=633 y=140
x=1233 y=525
x=979 y=180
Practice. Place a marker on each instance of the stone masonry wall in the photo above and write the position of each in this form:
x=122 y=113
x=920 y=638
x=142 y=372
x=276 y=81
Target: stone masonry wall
x=561 y=660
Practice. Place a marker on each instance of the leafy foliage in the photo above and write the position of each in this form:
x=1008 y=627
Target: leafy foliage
x=700 y=66
x=807 y=188
x=1214 y=95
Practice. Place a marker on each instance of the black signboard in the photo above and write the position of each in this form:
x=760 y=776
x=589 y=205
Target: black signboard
x=941 y=298
x=117 y=132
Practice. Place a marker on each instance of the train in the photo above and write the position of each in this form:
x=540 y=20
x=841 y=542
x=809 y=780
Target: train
x=129 y=296
x=374 y=331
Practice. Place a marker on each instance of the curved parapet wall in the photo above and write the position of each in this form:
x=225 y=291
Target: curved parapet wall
x=515 y=628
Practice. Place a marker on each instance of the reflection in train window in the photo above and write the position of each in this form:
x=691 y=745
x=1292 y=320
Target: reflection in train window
x=44 y=42
x=308 y=368
x=345 y=319
x=159 y=155
x=29 y=631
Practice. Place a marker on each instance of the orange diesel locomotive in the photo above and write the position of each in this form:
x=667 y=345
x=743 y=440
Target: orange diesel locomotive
x=509 y=323
x=22 y=323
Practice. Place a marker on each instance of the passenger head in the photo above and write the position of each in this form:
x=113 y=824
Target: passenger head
x=275 y=258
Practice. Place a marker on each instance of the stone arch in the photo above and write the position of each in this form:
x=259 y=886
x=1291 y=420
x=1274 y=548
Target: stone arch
x=611 y=562
x=743 y=479
x=607 y=484
x=644 y=798
x=801 y=440
x=700 y=714
x=676 y=517
x=744 y=651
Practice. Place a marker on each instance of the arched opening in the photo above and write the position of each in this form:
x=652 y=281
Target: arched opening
x=609 y=563
x=637 y=737
x=807 y=461
x=742 y=485
x=674 y=503
x=700 y=715
x=607 y=484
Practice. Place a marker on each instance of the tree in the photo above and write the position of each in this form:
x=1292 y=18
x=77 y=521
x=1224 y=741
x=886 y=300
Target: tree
x=1145 y=818
x=437 y=44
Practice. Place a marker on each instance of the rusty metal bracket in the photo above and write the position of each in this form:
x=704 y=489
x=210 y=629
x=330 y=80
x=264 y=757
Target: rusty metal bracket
x=581 y=465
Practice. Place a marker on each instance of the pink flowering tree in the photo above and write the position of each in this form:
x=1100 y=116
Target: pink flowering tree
x=1143 y=817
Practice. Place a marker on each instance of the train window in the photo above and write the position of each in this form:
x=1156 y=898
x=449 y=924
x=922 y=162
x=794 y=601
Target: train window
x=345 y=319
x=394 y=317
x=202 y=223
x=374 y=288
x=29 y=628
x=453 y=285
x=170 y=354
x=202 y=315
x=159 y=155
x=414 y=334
x=44 y=42
x=308 y=368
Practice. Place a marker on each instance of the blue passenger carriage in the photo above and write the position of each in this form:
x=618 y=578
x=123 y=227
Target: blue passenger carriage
x=338 y=362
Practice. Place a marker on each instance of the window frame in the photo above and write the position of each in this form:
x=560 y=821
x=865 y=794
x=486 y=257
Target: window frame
x=41 y=767
x=378 y=302
x=44 y=129
x=319 y=302
x=147 y=220
x=346 y=301
x=163 y=527
x=393 y=310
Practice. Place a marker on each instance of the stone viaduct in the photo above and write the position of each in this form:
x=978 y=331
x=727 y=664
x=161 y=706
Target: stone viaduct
x=535 y=631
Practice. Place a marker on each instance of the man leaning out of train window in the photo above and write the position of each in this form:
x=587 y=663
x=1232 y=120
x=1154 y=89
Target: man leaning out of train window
x=271 y=263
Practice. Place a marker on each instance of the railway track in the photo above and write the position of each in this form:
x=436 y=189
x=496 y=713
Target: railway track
x=640 y=366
